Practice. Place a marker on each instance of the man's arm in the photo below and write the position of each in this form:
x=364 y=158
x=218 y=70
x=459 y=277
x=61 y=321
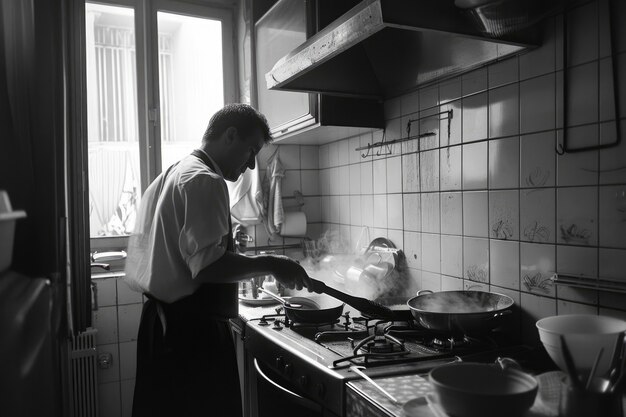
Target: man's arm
x=232 y=267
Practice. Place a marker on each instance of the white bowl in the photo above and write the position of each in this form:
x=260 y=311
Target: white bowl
x=584 y=335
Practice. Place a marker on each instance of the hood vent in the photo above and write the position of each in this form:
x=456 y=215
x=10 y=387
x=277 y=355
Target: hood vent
x=383 y=48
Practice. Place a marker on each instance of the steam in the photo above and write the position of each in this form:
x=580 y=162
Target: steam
x=374 y=276
x=454 y=302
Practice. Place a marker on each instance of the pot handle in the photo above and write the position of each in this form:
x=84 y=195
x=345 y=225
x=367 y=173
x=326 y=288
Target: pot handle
x=508 y=363
x=422 y=292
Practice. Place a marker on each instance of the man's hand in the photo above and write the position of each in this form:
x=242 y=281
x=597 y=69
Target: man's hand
x=288 y=272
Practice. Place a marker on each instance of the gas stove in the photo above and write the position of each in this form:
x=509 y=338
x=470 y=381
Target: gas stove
x=370 y=342
x=314 y=361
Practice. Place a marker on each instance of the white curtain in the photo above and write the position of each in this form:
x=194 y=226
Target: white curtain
x=108 y=170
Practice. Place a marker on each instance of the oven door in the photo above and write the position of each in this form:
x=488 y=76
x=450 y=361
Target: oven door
x=272 y=395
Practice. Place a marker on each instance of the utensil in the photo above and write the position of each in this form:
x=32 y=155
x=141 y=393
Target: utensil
x=617 y=350
x=357 y=371
x=569 y=363
x=284 y=302
x=598 y=384
x=362 y=304
x=598 y=401
x=615 y=386
x=619 y=371
x=460 y=312
x=618 y=360
x=594 y=367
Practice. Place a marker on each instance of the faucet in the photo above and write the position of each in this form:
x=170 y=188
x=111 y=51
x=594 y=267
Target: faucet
x=241 y=238
x=104 y=266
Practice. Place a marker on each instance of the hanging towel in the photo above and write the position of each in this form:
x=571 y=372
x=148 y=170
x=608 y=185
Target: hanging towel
x=246 y=198
x=273 y=195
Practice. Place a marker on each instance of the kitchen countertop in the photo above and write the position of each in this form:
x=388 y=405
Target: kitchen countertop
x=416 y=397
x=403 y=388
x=248 y=312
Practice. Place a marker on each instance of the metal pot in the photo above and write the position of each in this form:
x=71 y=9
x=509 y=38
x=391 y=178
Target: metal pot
x=312 y=315
x=459 y=313
x=316 y=309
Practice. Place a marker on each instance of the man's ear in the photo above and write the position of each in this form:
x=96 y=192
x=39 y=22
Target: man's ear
x=231 y=134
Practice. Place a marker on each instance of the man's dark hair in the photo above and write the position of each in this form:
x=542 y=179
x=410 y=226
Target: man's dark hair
x=245 y=118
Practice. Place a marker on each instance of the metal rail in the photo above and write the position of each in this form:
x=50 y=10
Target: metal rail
x=599 y=284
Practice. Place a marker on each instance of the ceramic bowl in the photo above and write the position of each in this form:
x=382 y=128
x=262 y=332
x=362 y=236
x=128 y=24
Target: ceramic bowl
x=467 y=389
x=584 y=335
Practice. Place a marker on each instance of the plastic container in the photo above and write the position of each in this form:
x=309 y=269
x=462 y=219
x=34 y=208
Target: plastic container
x=8 y=217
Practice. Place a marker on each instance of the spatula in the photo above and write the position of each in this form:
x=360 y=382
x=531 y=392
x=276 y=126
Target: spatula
x=364 y=305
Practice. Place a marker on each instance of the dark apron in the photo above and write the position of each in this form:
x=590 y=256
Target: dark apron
x=191 y=370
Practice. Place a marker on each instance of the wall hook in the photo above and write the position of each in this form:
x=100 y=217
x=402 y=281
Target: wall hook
x=365 y=155
x=559 y=149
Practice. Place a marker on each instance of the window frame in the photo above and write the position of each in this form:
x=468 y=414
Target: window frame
x=147 y=69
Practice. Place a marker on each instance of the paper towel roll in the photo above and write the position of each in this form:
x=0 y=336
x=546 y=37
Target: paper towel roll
x=294 y=224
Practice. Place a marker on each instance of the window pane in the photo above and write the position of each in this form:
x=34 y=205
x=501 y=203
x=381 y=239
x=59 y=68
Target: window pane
x=112 y=119
x=191 y=81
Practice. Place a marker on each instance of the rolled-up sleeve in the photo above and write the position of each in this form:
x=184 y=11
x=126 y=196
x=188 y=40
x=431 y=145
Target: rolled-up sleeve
x=203 y=238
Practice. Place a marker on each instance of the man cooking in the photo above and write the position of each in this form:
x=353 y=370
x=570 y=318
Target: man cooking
x=181 y=257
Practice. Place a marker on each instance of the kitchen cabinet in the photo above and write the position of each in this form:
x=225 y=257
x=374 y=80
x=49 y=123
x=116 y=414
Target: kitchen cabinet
x=237 y=328
x=301 y=117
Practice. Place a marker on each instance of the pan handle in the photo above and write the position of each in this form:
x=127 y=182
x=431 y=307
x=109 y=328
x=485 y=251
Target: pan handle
x=422 y=292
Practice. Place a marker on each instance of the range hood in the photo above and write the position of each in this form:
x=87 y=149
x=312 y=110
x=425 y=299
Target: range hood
x=383 y=48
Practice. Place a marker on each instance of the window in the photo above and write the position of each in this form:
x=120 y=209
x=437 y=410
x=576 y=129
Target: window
x=148 y=108
x=113 y=146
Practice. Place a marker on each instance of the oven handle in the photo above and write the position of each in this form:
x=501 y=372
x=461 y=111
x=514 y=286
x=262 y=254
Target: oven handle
x=304 y=402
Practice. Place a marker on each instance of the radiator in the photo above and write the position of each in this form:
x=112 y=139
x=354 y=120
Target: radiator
x=83 y=375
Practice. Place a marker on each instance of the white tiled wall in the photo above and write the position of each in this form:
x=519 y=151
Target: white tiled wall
x=117 y=321
x=487 y=203
x=302 y=174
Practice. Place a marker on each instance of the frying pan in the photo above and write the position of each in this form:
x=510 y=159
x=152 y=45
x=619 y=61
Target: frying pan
x=316 y=309
x=460 y=312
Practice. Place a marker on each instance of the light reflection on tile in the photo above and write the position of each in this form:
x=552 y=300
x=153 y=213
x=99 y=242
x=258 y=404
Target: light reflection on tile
x=475 y=166
x=504 y=163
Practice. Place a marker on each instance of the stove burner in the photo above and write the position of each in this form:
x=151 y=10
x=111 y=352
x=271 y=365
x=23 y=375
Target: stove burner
x=381 y=346
x=449 y=343
x=377 y=344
